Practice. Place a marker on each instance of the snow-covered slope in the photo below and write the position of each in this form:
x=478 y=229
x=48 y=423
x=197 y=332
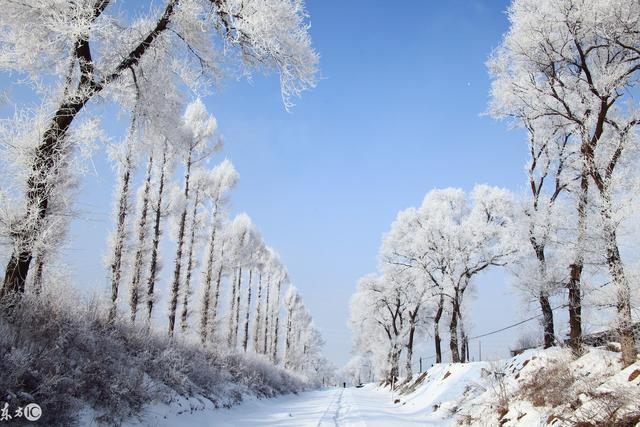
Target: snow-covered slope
x=535 y=388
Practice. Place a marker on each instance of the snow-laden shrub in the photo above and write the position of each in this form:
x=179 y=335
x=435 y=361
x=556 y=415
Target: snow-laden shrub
x=57 y=350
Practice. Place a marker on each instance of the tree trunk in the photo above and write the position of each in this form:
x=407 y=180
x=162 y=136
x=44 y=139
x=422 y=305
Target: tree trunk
x=463 y=341
x=208 y=278
x=236 y=332
x=543 y=297
x=267 y=317
x=623 y=292
x=394 y=365
x=287 y=341
x=175 y=286
x=436 y=329
x=245 y=340
x=575 y=269
x=142 y=237
x=153 y=265
x=547 y=320
x=453 y=329
x=232 y=306
x=184 y=324
x=274 y=349
x=276 y=322
x=258 y=319
x=37 y=274
x=409 y=366
x=216 y=295
x=121 y=229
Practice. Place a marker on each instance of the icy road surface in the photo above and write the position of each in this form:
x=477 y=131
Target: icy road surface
x=334 y=407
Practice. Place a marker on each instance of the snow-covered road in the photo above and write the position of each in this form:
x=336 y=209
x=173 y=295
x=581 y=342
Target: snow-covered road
x=336 y=407
x=331 y=407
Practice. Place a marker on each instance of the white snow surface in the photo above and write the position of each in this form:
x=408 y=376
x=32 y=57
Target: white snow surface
x=368 y=406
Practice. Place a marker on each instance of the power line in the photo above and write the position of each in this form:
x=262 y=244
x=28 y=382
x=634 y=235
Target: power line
x=515 y=324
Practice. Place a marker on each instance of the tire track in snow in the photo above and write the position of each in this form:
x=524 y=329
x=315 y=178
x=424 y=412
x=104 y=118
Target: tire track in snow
x=342 y=411
x=324 y=419
x=336 y=416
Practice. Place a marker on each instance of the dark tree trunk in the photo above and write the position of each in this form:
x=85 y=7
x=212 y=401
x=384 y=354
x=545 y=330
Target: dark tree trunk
x=276 y=322
x=142 y=237
x=175 y=286
x=184 y=324
x=258 y=319
x=436 y=329
x=123 y=208
x=236 y=332
x=453 y=330
x=267 y=317
x=153 y=265
x=409 y=367
x=547 y=320
x=232 y=307
x=575 y=269
x=394 y=365
x=543 y=297
x=216 y=295
x=287 y=340
x=38 y=274
x=245 y=340
x=208 y=278
x=463 y=343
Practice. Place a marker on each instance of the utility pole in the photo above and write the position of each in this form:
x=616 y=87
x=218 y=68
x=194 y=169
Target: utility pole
x=421 y=365
x=479 y=350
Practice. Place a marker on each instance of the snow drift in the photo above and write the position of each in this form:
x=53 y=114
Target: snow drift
x=535 y=388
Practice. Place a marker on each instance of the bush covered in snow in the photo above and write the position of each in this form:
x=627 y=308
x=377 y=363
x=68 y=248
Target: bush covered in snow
x=67 y=358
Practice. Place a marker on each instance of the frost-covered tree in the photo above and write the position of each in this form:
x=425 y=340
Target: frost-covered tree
x=303 y=341
x=253 y=261
x=576 y=61
x=75 y=52
x=378 y=313
x=400 y=259
x=466 y=235
x=19 y=135
x=199 y=128
x=243 y=240
x=428 y=262
x=201 y=180
x=358 y=370
x=550 y=238
x=222 y=179
x=268 y=266
x=142 y=226
x=124 y=157
x=274 y=304
x=162 y=174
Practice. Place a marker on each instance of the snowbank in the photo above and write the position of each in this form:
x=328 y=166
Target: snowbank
x=535 y=388
x=62 y=355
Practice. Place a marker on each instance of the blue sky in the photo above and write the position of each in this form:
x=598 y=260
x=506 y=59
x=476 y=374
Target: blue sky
x=396 y=113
